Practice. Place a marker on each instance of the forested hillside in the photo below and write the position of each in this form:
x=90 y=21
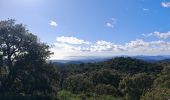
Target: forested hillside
x=26 y=74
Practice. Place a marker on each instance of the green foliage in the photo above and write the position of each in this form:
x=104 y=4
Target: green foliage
x=106 y=76
x=101 y=89
x=41 y=81
x=157 y=94
x=23 y=60
x=133 y=87
x=163 y=80
x=66 y=95
x=78 y=83
x=161 y=86
x=120 y=77
x=134 y=66
x=17 y=43
x=21 y=97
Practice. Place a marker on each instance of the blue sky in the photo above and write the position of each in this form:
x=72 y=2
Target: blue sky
x=95 y=27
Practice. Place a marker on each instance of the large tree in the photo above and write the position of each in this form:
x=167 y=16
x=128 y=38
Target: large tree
x=17 y=43
x=24 y=57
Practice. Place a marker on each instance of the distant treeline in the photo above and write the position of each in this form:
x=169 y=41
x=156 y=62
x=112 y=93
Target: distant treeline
x=26 y=75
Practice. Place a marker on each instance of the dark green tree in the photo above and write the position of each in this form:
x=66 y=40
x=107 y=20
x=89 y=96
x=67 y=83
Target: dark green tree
x=78 y=83
x=106 y=76
x=16 y=43
x=102 y=89
x=157 y=94
x=24 y=58
x=163 y=79
x=133 y=87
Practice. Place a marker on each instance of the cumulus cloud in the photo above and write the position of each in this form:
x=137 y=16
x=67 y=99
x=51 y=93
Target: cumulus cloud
x=158 y=34
x=111 y=23
x=71 y=40
x=165 y=4
x=148 y=47
x=53 y=23
x=101 y=46
x=72 y=46
x=137 y=44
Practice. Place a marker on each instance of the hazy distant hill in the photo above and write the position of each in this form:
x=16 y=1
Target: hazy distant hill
x=84 y=60
x=153 y=58
x=99 y=59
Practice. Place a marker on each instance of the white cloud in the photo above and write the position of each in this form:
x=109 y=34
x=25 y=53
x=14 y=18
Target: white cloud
x=145 y=9
x=111 y=23
x=158 y=34
x=71 y=40
x=53 y=23
x=136 y=44
x=101 y=46
x=140 y=47
x=64 y=46
x=71 y=46
x=165 y=4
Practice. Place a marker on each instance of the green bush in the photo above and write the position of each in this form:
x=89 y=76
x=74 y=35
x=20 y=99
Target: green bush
x=157 y=94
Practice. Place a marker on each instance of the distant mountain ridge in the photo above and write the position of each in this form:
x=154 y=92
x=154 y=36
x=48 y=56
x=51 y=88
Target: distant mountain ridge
x=99 y=59
x=153 y=58
x=79 y=61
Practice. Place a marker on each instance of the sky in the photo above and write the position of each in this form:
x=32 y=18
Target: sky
x=90 y=28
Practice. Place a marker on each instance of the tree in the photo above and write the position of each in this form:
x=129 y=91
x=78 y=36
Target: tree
x=78 y=83
x=106 y=76
x=163 y=79
x=157 y=94
x=102 y=89
x=17 y=43
x=24 y=57
x=136 y=85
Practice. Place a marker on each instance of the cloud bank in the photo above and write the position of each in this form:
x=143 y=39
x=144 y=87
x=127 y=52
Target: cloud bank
x=72 y=46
